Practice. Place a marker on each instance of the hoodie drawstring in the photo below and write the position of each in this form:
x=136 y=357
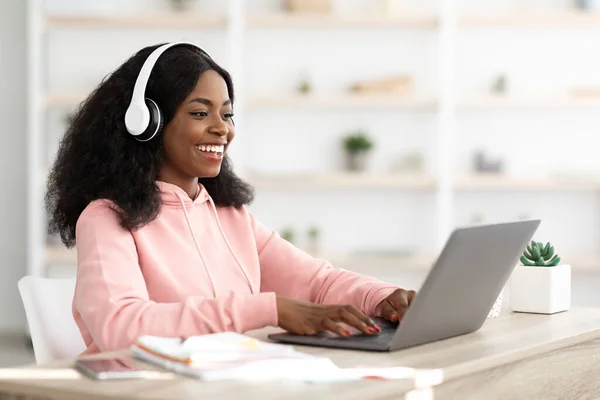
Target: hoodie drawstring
x=187 y=219
x=224 y=237
x=229 y=245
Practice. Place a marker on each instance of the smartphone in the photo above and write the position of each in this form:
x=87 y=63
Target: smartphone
x=110 y=368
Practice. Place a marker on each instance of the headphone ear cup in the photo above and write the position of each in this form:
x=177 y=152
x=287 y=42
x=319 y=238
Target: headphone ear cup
x=155 y=124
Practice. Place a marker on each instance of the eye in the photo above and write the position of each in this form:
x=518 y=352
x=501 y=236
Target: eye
x=200 y=114
x=228 y=116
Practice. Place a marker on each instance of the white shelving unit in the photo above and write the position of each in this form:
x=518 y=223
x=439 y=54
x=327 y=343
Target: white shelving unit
x=237 y=23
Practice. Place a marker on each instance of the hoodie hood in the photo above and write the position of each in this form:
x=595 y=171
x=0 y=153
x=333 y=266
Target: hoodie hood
x=173 y=195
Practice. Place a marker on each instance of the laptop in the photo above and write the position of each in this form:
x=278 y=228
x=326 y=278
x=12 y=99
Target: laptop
x=456 y=296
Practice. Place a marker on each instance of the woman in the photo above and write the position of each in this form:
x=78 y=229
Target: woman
x=165 y=243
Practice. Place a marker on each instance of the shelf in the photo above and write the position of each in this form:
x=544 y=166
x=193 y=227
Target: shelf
x=61 y=258
x=342 y=180
x=504 y=182
x=341 y=101
x=524 y=19
x=513 y=101
x=56 y=254
x=69 y=100
x=150 y=21
x=64 y=100
x=331 y=21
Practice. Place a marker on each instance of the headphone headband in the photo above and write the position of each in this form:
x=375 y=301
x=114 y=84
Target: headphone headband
x=143 y=119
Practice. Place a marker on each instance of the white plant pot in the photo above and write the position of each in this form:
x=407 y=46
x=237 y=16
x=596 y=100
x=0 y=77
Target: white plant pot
x=540 y=290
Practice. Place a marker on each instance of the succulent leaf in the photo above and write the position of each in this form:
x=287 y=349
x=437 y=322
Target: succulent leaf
x=546 y=249
x=554 y=260
x=550 y=253
x=540 y=262
x=526 y=262
x=536 y=252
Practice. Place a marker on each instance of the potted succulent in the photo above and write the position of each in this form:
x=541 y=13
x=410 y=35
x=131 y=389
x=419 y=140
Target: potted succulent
x=357 y=146
x=542 y=284
x=288 y=234
x=313 y=240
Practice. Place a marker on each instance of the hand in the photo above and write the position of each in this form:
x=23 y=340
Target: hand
x=395 y=305
x=306 y=318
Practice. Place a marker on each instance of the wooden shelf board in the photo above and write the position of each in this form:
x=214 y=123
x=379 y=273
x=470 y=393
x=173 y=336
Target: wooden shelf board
x=513 y=101
x=61 y=260
x=572 y=19
x=56 y=254
x=342 y=180
x=67 y=100
x=150 y=21
x=503 y=182
x=284 y=20
x=342 y=101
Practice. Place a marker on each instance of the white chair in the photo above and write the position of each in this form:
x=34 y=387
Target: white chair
x=53 y=330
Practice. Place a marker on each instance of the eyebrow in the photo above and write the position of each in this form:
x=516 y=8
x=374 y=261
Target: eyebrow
x=208 y=102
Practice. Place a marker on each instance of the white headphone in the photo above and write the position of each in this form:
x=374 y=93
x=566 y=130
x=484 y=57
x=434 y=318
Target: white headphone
x=143 y=118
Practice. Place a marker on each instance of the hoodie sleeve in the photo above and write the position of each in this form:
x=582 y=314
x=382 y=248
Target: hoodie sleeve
x=112 y=299
x=291 y=272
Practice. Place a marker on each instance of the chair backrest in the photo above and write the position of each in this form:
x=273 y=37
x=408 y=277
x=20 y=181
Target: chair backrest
x=53 y=330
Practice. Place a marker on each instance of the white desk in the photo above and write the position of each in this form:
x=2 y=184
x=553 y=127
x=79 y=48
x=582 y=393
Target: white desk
x=521 y=356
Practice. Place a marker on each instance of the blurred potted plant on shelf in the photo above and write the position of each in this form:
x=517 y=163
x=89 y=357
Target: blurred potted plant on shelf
x=180 y=5
x=304 y=87
x=541 y=284
x=357 y=146
x=313 y=240
x=288 y=234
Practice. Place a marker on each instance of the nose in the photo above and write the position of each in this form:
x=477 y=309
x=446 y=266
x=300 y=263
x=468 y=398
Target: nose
x=219 y=127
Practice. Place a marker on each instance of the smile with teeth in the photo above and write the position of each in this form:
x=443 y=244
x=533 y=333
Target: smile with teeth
x=216 y=149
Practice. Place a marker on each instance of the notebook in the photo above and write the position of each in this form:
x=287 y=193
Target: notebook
x=229 y=355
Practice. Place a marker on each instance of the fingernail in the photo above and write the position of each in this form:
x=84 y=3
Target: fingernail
x=394 y=317
x=378 y=329
x=347 y=332
x=371 y=330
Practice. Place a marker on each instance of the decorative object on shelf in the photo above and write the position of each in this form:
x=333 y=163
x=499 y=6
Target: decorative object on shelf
x=586 y=92
x=180 y=5
x=477 y=219
x=483 y=164
x=288 y=234
x=313 y=240
x=410 y=162
x=524 y=217
x=542 y=284
x=499 y=85
x=390 y=7
x=308 y=6
x=393 y=85
x=357 y=146
x=305 y=84
x=587 y=5
x=68 y=118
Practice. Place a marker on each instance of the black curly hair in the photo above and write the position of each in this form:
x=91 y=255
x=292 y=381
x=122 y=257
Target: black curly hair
x=98 y=159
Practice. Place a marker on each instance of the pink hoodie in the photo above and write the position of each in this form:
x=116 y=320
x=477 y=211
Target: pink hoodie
x=196 y=269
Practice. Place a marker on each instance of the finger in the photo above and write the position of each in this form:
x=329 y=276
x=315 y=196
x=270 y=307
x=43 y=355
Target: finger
x=400 y=302
x=411 y=295
x=362 y=317
x=388 y=311
x=352 y=320
x=331 y=326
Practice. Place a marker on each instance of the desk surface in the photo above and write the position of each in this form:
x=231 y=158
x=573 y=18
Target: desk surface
x=501 y=341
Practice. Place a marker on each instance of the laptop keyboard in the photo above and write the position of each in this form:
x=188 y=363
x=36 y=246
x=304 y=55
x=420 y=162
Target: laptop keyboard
x=388 y=329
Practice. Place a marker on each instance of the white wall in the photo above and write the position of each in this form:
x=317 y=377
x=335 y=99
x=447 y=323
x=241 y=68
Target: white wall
x=538 y=61
x=13 y=47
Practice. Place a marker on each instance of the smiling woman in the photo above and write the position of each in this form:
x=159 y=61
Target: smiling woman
x=165 y=243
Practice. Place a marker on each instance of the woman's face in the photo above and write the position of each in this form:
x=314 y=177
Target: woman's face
x=200 y=132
